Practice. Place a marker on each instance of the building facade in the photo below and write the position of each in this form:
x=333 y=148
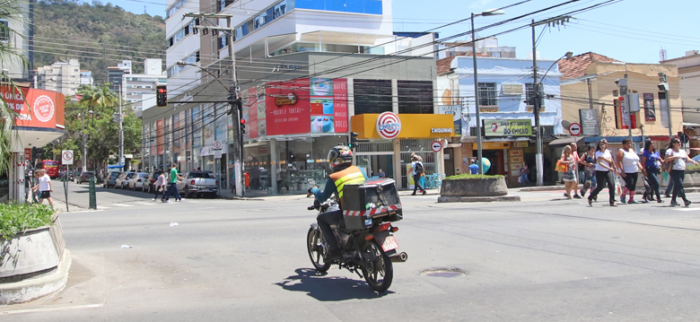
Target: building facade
x=140 y=89
x=115 y=76
x=63 y=77
x=689 y=73
x=506 y=111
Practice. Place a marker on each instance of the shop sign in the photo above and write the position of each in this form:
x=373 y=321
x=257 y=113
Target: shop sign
x=388 y=125
x=589 y=122
x=508 y=128
x=521 y=144
x=441 y=130
x=456 y=111
x=492 y=146
x=35 y=107
x=488 y=109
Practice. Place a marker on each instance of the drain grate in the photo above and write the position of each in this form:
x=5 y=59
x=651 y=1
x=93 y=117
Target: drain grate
x=443 y=272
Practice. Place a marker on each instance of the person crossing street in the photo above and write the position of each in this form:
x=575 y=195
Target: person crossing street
x=172 y=185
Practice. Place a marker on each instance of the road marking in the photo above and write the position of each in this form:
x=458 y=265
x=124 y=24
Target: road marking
x=52 y=309
x=686 y=209
x=121 y=205
x=145 y=203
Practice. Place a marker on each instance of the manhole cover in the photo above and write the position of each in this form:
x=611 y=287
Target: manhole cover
x=443 y=272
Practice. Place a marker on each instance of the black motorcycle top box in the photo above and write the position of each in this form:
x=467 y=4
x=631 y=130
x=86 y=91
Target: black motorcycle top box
x=374 y=198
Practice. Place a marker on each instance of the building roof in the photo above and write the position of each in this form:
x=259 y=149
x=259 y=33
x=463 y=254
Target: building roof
x=444 y=65
x=576 y=66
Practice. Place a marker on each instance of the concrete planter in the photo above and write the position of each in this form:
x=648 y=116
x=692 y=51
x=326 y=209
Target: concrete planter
x=30 y=264
x=487 y=189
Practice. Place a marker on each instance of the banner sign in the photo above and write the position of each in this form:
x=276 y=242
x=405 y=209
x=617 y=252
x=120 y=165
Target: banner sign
x=649 y=111
x=589 y=122
x=456 y=111
x=507 y=127
x=35 y=107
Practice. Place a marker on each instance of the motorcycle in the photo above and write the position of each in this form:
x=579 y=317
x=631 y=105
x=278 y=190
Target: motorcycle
x=367 y=243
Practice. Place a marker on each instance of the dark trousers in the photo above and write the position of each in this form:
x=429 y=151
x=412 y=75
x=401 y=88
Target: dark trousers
x=158 y=193
x=601 y=178
x=172 y=191
x=677 y=178
x=653 y=175
x=325 y=220
x=416 y=185
x=669 y=187
x=631 y=181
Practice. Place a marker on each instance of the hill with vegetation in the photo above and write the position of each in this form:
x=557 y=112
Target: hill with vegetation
x=99 y=35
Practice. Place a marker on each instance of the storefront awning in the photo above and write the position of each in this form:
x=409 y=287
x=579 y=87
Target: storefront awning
x=412 y=126
x=565 y=141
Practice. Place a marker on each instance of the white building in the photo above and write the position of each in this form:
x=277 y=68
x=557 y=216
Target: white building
x=86 y=78
x=140 y=89
x=689 y=72
x=487 y=47
x=63 y=77
x=16 y=34
x=278 y=27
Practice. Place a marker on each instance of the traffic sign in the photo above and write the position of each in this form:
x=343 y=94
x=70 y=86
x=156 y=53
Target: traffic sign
x=575 y=129
x=436 y=146
x=122 y=161
x=67 y=157
x=217 y=145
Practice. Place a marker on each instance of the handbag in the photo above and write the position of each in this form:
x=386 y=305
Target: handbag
x=667 y=166
x=561 y=167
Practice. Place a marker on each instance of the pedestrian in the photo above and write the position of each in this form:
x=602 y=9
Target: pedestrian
x=418 y=170
x=524 y=173
x=577 y=160
x=678 y=158
x=628 y=163
x=604 y=172
x=473 y=167
x=570 y=173
x=160 y=187
x=45 y=188
x=172 y=185
x=588 y=162
x=669 y=185
x=651 y=161
x=278 y=178
x=381 y=174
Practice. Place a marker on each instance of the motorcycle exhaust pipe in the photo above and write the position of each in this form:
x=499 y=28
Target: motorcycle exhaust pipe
x=399 y=258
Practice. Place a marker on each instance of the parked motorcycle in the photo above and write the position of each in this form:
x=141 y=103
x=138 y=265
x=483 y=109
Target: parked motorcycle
x=367 y=243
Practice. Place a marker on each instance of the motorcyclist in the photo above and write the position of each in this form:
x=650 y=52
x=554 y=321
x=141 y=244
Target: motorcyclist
x=344 y=173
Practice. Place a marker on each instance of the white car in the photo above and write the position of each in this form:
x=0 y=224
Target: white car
x=123 y=180
x=136 y=181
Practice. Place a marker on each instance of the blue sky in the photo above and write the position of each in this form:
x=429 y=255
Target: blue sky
x=631 y=30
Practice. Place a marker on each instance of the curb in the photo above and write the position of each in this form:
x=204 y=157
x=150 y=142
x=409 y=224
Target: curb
x=480 y=199
x=35 y=287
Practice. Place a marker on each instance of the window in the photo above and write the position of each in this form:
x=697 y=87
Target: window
x=487 y=94
x=280 y=9
x=4 y=30
x=415 y=97
x=224 y=3
x=223 y=42
x=372 y=96
x=530 y=94
x=171 y=11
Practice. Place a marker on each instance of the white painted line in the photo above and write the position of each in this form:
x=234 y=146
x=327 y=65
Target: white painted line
x=686 y=209
x=52 y=309
x=121 y=205
x=152 y=203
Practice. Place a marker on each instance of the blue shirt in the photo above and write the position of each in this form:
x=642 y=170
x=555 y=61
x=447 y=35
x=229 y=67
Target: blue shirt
x=474 y=169
x=651 y=160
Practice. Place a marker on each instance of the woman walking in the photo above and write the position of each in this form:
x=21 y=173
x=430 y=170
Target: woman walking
x=678 y=157
x=628 y=163
x=159 y=186
x=570 y=174
x=604 y=172
x=588 y=161
x=650 y=161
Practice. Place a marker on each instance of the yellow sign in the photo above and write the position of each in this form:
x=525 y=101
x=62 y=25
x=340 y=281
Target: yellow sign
x=531 y=108
x=492 y=145
x=488 y=109
x=508 y=127
x=413 y=126
x=521 y=144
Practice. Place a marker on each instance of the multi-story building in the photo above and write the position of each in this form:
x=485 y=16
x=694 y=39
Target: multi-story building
x=17 y=34
x=61 y=77
x=689 y=73
x=309 y=73
x=487 y=47
x=506 y=110
x=140 y=89
x=86 y=78
x=116 y=74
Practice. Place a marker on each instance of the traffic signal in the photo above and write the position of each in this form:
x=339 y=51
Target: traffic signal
x=161 y=96
x=242 y=126
x=353 y=140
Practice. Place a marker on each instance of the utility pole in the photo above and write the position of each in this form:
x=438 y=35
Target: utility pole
x=664 y=87
x=476 y=103
x=121 y=131
x=539 y=160
x=82 y=122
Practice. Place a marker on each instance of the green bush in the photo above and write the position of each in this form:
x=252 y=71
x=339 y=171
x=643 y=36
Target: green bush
x=472 y=176
x=15 y=218
x=692 y=167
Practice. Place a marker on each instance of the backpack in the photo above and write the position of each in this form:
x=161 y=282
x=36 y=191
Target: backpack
x=419 y=168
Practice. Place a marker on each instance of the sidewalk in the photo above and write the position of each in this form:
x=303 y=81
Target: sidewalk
x=264 y=195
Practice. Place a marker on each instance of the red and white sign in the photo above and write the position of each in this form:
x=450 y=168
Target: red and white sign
x=436 y=146
x=35 y=107
x=575 y=129
x=287 y=119
x=217 y=145
x=67 y=157
x=388 y=125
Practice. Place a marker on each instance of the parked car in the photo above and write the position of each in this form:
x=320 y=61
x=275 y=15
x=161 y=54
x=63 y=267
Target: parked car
x=198 y=183
x=123 y=180
x=111 y=179
x=137 y=181
x=150 y=181
x=84 y=177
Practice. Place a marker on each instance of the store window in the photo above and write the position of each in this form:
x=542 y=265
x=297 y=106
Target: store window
x=301 y=163
x=372 y=96
x=415 y=97
x=420 y=148
x=487 y=94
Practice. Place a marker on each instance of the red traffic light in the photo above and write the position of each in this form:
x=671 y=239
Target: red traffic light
x=242 y=121
x=161 y=90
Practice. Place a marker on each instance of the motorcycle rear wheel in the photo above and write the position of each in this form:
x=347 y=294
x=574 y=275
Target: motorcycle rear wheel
x=314 y=244
x=378 y=271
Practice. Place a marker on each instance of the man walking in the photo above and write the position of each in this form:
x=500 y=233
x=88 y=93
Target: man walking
x=172 y=185
x=44 y=186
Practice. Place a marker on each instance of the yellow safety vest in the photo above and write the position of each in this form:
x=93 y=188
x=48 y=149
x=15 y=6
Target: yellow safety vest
x=350 y=175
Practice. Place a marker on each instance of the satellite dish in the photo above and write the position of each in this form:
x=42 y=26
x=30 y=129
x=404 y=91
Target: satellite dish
x=565 y=124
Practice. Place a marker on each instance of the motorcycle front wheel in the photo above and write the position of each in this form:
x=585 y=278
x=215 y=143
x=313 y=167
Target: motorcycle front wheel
x=378 y=269
x=314 y=244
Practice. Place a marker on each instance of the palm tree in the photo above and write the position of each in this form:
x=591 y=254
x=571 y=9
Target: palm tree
x=8 y=10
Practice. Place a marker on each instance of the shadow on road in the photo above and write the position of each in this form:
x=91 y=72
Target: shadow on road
x=324 y=288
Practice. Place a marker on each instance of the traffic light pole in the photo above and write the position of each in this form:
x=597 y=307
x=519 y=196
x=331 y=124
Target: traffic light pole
x=121 y=131
x=236 y=114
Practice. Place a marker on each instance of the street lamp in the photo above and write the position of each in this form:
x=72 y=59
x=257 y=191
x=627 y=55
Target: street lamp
x=490 y=12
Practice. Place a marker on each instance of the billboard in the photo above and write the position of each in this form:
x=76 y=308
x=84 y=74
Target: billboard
x=508 y=127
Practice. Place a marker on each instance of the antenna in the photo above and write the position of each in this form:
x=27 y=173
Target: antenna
x=662 y=54
x=145 y=11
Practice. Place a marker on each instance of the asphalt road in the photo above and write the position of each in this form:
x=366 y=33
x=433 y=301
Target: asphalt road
x=246 y=261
